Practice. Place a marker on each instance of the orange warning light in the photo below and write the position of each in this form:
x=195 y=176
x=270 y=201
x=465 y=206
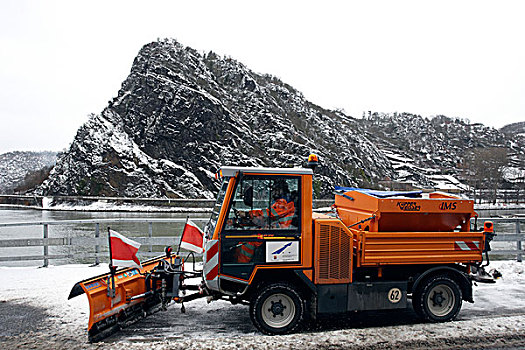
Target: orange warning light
x=313 y=158
x=313 y=161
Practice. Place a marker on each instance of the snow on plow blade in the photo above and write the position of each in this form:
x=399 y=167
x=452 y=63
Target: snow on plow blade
x=137 y=293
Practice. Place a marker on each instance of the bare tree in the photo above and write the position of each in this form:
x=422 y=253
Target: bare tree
x=483 y=168
x=516 y=176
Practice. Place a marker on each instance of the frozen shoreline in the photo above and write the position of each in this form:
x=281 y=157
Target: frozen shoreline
x=109 y=207
x=95 y=207
x=499 y=206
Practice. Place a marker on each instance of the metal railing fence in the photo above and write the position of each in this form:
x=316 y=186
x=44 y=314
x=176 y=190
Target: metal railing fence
x=96 y=241
x=516 y=236
x=149 y=241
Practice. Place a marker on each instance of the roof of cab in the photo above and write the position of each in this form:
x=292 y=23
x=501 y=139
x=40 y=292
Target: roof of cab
x=232 y=171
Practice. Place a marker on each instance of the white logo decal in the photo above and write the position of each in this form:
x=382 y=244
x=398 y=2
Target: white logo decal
x=282 y=251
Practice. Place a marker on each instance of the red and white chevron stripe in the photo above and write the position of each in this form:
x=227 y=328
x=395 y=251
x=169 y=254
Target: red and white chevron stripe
x=211 y=264
x=466 y=245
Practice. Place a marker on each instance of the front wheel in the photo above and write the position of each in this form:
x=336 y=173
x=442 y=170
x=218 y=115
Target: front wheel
x=438 y=299
x=277 y=309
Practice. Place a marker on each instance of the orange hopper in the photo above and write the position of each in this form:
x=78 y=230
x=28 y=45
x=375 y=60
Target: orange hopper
x=404 y=212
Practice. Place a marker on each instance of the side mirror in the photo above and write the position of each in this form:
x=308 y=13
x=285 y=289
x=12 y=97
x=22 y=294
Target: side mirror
x=247 y=196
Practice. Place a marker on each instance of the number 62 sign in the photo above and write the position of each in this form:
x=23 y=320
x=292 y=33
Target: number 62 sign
x=394 y=295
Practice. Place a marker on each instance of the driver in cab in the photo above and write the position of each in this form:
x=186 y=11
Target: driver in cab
x=280 y=213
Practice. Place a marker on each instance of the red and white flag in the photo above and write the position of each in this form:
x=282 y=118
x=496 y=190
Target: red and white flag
x=192 y=238
x=123 y=251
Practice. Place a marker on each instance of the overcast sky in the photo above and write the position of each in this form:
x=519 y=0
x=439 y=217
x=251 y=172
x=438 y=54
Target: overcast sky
x=61 y=60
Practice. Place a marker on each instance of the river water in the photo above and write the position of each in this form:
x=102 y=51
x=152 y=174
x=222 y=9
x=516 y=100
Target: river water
x=9 y=215
x=129 y=229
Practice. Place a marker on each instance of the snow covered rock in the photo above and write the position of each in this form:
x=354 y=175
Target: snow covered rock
x=181 y=114
x=421 y=148
x=14 y=166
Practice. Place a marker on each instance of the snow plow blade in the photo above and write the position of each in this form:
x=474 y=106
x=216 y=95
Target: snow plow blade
x=136 y=294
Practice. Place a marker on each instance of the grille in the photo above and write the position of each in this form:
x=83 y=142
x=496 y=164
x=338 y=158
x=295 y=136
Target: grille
x=334 y=254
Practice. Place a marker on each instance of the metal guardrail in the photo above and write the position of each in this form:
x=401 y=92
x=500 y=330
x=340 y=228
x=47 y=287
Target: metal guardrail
x=95 y=241
x=517 y=236
x=151 y=241
x=162 y=204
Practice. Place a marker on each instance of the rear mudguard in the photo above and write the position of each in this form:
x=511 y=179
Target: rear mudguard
x=462 y=278
x=133 y=287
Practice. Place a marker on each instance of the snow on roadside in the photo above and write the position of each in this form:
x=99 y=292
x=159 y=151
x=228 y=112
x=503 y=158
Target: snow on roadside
x=499 y=310
x=103 y=206
x=499 y=206
x=107 y=206
x=508 y=293
x=49 y=288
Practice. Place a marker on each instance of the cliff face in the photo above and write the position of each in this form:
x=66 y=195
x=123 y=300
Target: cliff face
x=180 y=115
x=420 y=146
x=15 y=166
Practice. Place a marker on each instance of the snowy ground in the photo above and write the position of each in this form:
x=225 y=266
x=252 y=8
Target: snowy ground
x=35 y=313
x=499 y=206
x=102 y=206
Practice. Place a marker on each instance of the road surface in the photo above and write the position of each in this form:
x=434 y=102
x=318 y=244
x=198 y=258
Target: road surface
x=38 y=316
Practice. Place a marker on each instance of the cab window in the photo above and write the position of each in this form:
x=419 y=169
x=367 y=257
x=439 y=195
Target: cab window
x=265 y=203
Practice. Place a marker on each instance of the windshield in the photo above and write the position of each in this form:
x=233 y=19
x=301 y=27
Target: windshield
x=210 y=226
x=265 y=203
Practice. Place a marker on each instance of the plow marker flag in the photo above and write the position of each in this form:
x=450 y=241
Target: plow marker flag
x=192 y=238
x=123 y=250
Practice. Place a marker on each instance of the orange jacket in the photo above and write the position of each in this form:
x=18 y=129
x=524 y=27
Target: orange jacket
x=245 y=251
x=281 y=213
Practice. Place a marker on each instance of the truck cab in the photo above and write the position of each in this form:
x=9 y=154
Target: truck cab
x=261 y=223
x=266 y=247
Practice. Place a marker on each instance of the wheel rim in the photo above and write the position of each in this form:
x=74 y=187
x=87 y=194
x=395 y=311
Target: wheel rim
x=441 y=300
x=278 y=310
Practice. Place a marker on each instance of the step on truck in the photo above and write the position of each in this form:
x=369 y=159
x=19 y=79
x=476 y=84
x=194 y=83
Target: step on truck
x=266 y=247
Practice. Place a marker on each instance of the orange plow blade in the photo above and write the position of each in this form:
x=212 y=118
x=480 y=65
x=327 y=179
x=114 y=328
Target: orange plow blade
x=134 y=293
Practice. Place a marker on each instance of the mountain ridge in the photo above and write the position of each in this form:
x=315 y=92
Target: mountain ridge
x=181 y=114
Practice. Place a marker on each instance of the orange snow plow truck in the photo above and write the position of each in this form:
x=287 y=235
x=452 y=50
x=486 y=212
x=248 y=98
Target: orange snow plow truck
x=265 y=247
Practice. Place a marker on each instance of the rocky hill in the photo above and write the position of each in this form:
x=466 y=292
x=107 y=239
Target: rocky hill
x=514 y=129
x=420 y=147
x=181 y=114
x=15 y=166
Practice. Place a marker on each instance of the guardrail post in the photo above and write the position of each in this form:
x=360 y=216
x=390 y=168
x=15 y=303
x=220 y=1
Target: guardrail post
x=97 y=246
x=518 y=243
x=150 y=234
x=46 y=248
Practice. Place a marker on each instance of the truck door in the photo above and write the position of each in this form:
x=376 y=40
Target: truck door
x=263 y=224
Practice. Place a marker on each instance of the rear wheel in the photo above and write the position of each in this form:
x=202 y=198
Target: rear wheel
x=438 y=299
x=277 y=309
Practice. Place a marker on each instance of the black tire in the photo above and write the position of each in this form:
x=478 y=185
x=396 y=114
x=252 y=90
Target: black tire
x=278 y=309
x=438 y=299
